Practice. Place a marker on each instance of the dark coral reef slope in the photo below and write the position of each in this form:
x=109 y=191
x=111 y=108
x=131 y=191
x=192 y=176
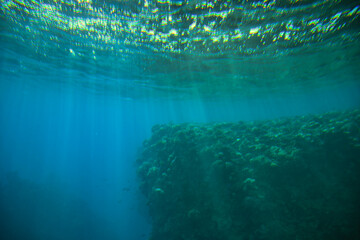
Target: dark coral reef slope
x=289 y=178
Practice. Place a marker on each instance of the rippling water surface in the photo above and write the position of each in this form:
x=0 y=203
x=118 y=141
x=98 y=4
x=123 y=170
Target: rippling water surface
x=182 y=47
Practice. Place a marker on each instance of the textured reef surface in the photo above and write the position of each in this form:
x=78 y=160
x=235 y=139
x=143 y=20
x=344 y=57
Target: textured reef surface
x=290 y=178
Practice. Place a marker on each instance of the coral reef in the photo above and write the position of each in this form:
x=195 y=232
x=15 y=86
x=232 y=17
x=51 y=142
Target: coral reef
x=289 y=178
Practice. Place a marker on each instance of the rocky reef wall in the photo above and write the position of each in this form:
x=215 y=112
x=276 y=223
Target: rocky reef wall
x=289 y=178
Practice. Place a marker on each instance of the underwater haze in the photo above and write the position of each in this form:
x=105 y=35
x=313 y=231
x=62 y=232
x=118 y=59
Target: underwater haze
x=179 y=119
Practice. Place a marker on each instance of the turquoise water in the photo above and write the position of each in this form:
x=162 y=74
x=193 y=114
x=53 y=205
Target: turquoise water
x=82 y=82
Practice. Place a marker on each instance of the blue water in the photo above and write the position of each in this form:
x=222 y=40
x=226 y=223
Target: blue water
x=82 y=147
x=79 y=144
x=75 y=108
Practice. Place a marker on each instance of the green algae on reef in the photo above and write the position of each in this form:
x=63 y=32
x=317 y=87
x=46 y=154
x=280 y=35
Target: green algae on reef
x=290 y=178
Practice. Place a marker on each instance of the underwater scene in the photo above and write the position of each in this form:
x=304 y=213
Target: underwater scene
x=179 y=119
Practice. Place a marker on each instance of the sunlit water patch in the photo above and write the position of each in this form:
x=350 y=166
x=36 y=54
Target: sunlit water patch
x=186 y=47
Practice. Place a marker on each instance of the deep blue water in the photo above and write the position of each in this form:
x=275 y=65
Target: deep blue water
x=82 y=147
x=79 y=144
x=78 y=98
